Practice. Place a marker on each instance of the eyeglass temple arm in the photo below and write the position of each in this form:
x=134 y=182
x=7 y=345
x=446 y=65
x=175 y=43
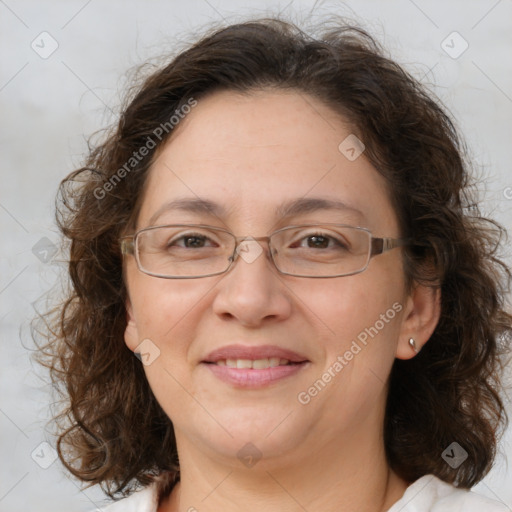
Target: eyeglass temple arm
x=127 y=245
x=380 y=245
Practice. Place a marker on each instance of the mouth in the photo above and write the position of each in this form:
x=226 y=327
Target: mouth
x=255 y=364
x=253 y=367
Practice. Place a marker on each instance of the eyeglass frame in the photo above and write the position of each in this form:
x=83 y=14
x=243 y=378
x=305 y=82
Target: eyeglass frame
x=378 y=245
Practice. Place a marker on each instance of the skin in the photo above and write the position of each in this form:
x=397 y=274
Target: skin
x=249 y=153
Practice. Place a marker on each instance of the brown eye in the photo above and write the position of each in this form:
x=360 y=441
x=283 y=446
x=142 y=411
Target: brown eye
x=191 y=241
x=318 y=241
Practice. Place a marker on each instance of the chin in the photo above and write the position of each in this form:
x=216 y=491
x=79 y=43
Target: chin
x=259 y=432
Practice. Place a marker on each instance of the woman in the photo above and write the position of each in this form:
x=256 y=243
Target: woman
x=281 y=229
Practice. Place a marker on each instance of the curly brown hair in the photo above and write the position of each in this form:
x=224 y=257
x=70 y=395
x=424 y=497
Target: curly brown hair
x=112 y=430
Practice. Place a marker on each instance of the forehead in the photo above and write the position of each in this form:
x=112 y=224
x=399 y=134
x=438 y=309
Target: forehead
x=252 y=154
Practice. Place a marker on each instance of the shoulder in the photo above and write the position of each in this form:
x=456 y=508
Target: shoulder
x=145 y=500
x=430 y=494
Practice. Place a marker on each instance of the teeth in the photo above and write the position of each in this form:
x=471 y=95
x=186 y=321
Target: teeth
x=260 y=364
x=256 y=364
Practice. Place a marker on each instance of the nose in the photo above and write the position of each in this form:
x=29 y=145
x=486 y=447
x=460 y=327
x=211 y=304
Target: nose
x=252 y=291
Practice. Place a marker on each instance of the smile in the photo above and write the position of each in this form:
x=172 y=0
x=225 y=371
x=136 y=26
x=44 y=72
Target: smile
x=255 y=364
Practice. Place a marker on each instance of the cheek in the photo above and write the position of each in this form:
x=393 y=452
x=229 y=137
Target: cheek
x=364 y=308
x=167 y=314
x=164 y=306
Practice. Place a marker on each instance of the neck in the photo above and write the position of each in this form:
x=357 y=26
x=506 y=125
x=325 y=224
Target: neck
x=346 y=477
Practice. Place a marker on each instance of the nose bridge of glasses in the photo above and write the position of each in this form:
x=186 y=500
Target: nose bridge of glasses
x=249 y=238
x=249 y=247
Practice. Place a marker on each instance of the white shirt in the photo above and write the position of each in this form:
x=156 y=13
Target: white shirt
x=427 y=494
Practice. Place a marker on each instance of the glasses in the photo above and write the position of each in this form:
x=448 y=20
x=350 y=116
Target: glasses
x=189 y=251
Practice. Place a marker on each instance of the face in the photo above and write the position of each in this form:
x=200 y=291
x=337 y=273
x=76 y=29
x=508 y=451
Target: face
x=250 y=154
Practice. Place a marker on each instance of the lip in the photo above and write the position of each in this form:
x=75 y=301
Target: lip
x=249 y=378
x=259 y=352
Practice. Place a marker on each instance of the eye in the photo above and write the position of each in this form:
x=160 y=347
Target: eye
x=190 y=241
x=320 y=241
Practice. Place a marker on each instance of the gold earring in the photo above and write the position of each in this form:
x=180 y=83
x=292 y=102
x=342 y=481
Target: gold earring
x=412 y=343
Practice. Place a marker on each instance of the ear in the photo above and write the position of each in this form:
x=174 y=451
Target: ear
x=421 y=315
x=131 y=333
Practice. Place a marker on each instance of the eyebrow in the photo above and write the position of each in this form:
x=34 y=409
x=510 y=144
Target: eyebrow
x=288 y=209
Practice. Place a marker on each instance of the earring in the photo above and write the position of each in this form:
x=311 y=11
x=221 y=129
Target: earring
x=412 y=343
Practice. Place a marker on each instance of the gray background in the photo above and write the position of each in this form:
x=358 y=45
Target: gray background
x=51 y=105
